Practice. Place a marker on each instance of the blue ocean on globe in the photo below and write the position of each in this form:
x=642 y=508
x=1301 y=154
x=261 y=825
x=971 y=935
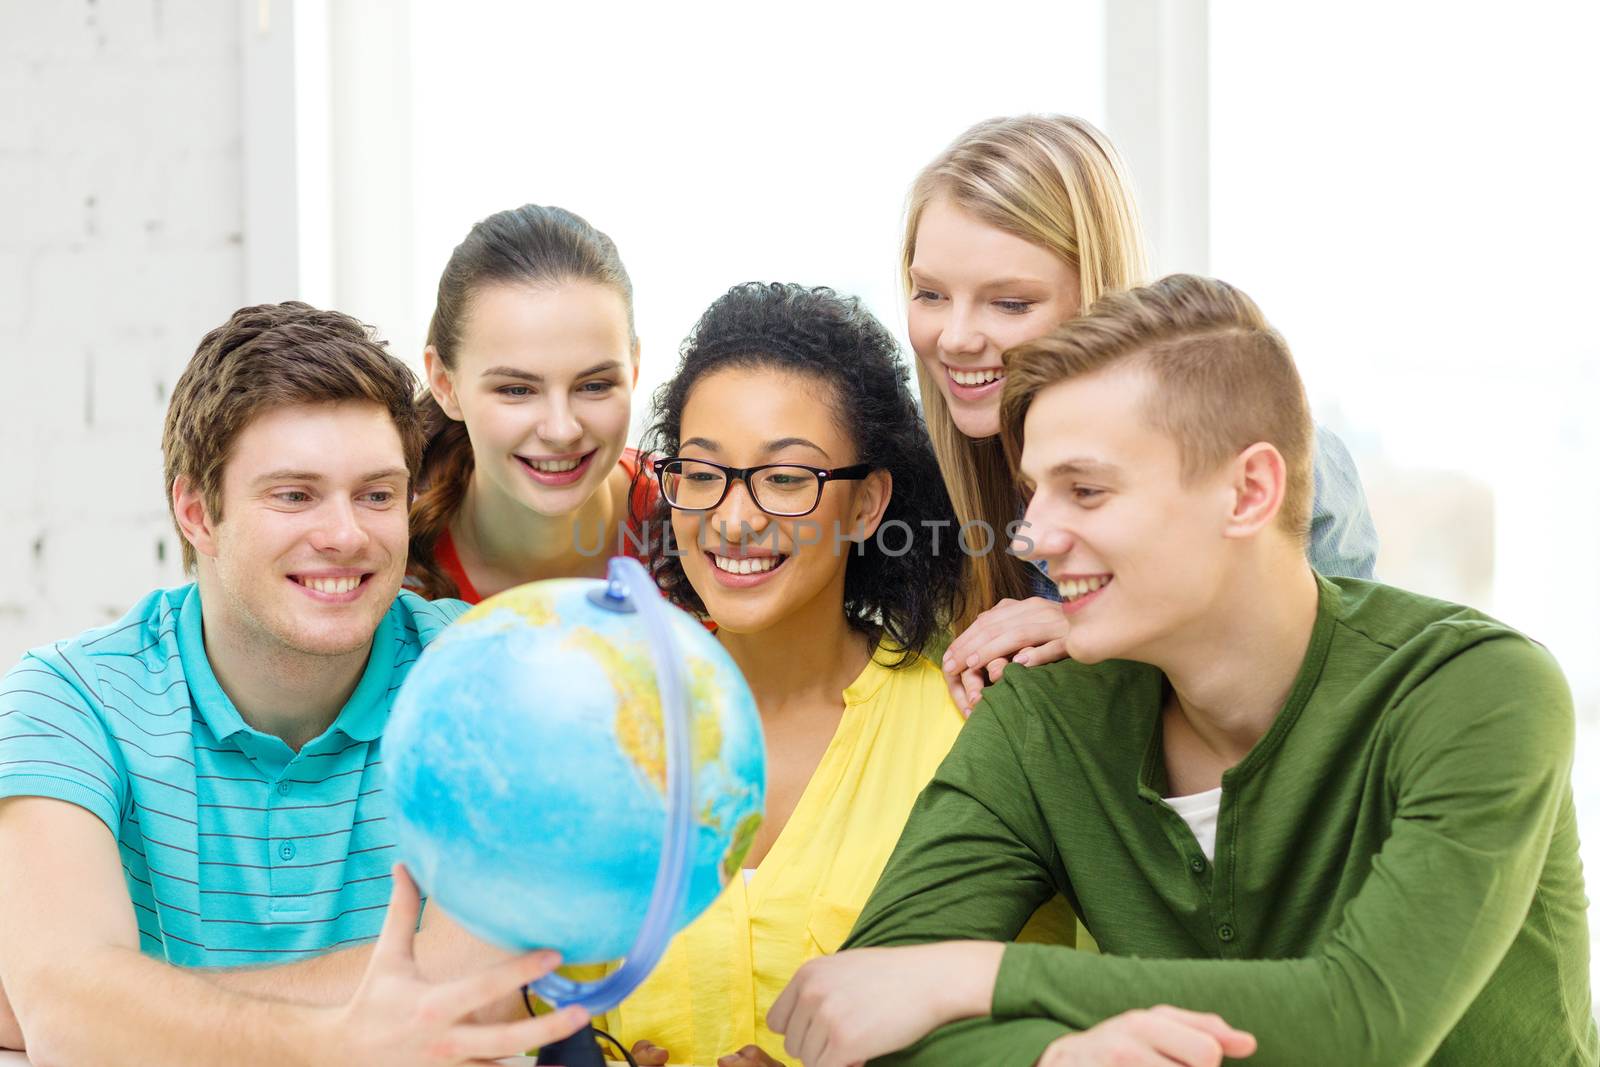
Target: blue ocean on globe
x=527 y=770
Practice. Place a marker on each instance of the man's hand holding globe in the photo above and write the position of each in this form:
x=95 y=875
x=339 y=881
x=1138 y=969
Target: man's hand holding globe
x=399 y=1018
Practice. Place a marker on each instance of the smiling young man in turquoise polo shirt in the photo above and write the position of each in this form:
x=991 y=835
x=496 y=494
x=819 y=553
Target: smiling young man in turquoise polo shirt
x=1329 y=813
x=200 y=786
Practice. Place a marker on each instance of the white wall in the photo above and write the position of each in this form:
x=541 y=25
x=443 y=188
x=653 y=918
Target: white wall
x=120 y=245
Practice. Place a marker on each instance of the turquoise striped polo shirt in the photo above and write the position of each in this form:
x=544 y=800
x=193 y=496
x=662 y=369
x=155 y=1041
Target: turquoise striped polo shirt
x=236 y=849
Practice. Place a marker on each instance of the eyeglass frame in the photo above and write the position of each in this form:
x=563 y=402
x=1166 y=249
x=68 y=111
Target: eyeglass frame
x=853 y=473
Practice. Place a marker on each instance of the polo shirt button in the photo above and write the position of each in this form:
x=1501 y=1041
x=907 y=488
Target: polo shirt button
x=1197 y=865
x=286 y=852
x=283 y=789
x=1225 y=932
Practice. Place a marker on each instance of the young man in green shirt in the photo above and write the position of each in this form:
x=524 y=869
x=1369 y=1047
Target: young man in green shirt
x=1334 y=814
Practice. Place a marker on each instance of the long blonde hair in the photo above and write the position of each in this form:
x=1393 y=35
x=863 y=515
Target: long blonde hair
x=1054 y=181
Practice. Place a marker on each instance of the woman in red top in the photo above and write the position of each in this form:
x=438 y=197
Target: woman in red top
x=531 y=363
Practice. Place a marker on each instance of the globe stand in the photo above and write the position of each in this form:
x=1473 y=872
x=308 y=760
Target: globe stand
x=579 y=1050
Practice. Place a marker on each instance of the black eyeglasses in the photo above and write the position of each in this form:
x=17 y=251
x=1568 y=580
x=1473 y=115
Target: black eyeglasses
x=787 y=490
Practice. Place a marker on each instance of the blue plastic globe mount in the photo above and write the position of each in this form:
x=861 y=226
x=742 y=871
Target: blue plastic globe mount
x=629 y=589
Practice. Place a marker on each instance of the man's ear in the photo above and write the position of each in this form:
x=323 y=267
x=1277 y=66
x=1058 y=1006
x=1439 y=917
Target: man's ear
x=195 y=523
x=1258 y=480
x=440 y=383
x=871 y=503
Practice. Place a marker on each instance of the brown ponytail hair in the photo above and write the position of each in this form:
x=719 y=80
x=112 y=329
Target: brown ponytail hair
x=530 y=245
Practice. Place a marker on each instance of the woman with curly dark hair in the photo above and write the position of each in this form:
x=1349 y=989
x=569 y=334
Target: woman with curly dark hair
x=801 y=501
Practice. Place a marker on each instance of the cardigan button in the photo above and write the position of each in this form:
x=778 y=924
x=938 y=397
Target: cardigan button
x=1197 y=865
x=1225 y=932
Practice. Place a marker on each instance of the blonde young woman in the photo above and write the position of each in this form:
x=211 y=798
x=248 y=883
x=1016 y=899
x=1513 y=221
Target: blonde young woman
x=1014 y=229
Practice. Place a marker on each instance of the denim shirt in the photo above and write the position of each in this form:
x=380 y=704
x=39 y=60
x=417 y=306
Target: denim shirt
x=1344 y=541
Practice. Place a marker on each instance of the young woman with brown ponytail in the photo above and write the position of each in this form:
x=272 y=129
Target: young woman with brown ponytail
x=531 y=363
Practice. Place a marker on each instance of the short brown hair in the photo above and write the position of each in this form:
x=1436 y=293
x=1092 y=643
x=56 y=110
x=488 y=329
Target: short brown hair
x=271 y=356
x=1224 y=377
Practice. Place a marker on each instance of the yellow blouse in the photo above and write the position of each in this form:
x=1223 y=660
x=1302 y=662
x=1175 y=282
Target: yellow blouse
x=710 y=993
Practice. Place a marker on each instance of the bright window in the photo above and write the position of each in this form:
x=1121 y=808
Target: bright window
x=768 y=143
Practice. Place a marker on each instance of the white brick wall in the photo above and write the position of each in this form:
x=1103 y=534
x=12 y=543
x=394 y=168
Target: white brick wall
x=120 y=246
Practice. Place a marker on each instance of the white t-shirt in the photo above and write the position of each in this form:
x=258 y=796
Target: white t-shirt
x=1199 y=810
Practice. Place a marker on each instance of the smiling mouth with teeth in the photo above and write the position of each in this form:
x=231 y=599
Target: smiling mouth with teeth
x=746 y=564
x=332 y=586
x=975 y=377
x=553 y=466
x=1076 y=588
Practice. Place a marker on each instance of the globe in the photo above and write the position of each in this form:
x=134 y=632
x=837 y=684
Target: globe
x=527 y=763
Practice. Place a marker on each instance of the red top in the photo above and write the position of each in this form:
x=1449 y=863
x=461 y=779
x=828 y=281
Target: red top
x=641 y=503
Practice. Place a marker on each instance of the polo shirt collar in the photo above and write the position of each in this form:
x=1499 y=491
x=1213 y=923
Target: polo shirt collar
x=365 y=714
x=361 y=719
